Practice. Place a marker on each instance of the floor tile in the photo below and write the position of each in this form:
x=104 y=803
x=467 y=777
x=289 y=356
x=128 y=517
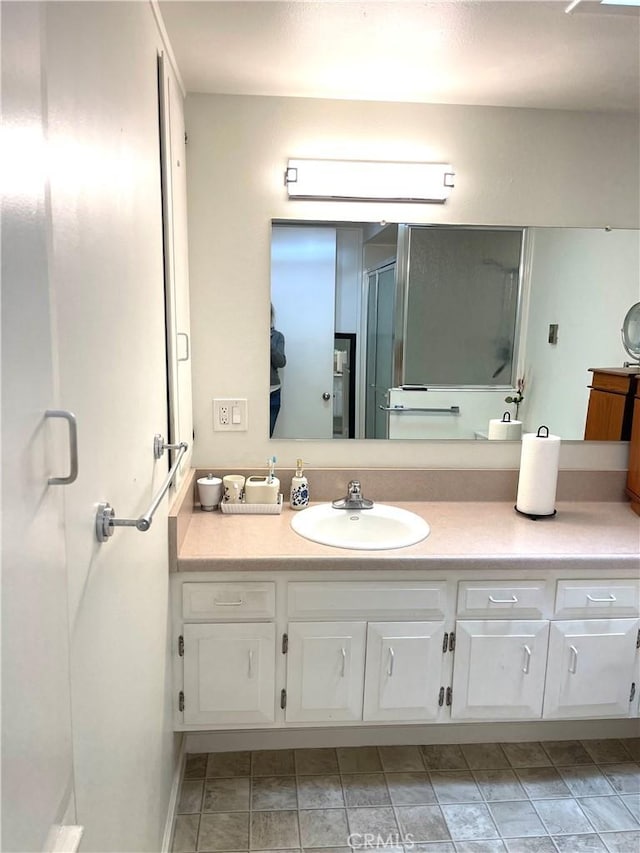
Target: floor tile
x=516 y=819
x=320 y=792
x=224 y=831
x=365 y=789
x=538 y=844
x=191 y=797
x=562 y=817
x=422 y=823
x=430 y=847
x=272 y=762
x=499 y=785
x=332 y=850
x=196 y=766
x=323 y=828
x=624 y=778
x=273 y=793
x=399 y=759
x=526 y=755
x=490 y=846
x=606 y=751
x=586 y=780
x=588 y=843
x=608 y=814
x=364 y=759
x=484 y=756
x=315 y=761
x=185 y=833
x=566 y=752
x=632 y=745
x=542 y=782
x=622 y=842
x=228 y=764
x=455 y=786
x=632 y=802
x=378 y=821
x=469 y=822
x=446 y=756
x=407 y=789
x=274 y=830
x=226 y=795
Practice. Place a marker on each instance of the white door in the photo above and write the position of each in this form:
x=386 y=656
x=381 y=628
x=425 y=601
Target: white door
x=325 y=671
x=37 y=759
x=229 y=673
x=303 y=280
x=592 y=664
x=403 y=671
x=498 y=669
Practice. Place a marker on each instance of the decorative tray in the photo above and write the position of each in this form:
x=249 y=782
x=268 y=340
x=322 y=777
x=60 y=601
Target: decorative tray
x=252 y=509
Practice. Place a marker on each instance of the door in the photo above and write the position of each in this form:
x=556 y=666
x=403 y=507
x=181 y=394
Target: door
x=404 y=665
x=498 y=669
x=592 y=664
x=381 y=293
x=229 y=673
x=325 y=671
x=303 y=280
x=37 y=759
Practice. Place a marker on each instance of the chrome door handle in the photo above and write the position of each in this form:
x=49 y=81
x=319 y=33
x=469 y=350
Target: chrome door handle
x=186 y=340
x=527 y=660
x=326 y=396
x=70 y=418
x=573 y=662
x=344 y=662
x=512 y=600
x=250 y=663
x=392 y=658
x=609 y=600
x=237 y=603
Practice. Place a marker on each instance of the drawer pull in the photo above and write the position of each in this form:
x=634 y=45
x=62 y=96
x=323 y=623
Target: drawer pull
x=609 y=600
x=512 y=600
x=391 y=661
x=573 y=662
x=237 y=603
x=250 y=663
x=344 y=662
x=527 y=659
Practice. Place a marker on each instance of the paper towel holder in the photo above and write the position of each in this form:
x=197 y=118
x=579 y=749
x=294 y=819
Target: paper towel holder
x=531 y=515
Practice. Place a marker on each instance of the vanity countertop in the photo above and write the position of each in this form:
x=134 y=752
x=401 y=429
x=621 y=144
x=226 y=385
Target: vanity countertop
x=469 y=535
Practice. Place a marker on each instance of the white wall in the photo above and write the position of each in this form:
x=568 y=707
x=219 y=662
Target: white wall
x=513 y=167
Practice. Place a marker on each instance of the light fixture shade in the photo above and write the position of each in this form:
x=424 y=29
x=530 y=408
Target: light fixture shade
x=364 y=180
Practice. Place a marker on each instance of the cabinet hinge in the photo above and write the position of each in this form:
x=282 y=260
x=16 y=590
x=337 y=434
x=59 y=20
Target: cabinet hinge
x=186 y=137
x=445 y=642
x=181 y=646
x=441 y=697
x=638 y=641
x=283 y=698
x=285 y=643
x=633 y=691
x=449 y=695
x=452 y=641
x=181 y=701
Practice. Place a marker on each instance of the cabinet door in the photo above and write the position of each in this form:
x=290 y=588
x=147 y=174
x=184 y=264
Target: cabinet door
x=325 y=671
x=498 y=669
x=591 y=668
x=404 y=665
x=229 y=673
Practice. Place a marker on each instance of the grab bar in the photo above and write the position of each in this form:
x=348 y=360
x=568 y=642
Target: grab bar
x=105 y=517
x=451 y=410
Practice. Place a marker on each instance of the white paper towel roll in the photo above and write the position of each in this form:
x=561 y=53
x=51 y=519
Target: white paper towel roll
x=538 y=473
x=502 y=430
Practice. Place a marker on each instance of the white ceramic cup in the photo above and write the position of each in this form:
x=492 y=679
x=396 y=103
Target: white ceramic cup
x=233 y=485
x=209 y=492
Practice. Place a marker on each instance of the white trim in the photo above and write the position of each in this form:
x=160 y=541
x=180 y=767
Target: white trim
x=509 y=732
x=174 y=797
x=164 y=35
x=63 y=839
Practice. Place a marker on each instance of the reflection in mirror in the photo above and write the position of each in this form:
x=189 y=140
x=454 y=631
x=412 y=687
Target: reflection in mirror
x=442 y=322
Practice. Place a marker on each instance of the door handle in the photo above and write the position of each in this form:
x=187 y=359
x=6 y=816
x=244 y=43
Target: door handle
x=527 y=660
x=391 y=662
x=608 y=600
x=250 y=663
x=186 y=340
x=573 y=661
x=326 y=396
x=70 y=418
x=344 y=662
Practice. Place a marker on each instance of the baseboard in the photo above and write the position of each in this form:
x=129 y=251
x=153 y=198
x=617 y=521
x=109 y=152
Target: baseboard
x=174 y=797
x=507 y=732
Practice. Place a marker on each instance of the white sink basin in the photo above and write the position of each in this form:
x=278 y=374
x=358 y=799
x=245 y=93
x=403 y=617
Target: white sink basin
x=373 y=529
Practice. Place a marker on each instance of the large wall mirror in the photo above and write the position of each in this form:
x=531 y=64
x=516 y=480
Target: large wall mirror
x=399 y=330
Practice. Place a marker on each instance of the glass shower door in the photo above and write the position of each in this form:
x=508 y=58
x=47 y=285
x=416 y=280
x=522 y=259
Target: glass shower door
x=380 y=335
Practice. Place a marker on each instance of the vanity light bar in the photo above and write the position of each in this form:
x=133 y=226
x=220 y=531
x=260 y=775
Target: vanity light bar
x=364 y=180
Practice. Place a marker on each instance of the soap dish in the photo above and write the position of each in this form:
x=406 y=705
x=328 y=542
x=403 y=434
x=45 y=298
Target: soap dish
x=252 y=509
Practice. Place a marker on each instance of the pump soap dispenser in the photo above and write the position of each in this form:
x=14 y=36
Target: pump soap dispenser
x=299 y=488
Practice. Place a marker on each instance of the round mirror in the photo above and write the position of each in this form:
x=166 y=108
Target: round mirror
x=631 y=331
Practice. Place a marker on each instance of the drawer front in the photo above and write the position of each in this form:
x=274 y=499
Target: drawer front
x=228 y=601
x=611 y=382
x=366 y=600
x=598 y=598
x=502 y=598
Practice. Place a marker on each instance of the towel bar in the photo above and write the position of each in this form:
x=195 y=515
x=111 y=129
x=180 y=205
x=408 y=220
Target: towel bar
x=399 y=410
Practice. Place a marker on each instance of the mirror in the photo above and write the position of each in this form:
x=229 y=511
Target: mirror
x=413 y=331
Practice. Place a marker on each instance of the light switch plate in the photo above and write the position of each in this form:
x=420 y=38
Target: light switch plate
x=230 y=414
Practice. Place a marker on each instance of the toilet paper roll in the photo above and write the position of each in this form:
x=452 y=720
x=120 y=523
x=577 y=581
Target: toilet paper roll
x=539 y=460
x=504 y=430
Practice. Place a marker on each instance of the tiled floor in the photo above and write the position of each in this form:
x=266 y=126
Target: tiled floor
x=551 y=797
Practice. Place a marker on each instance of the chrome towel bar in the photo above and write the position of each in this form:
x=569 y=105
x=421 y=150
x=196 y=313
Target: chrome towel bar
x=105 y=517
x=399 y=410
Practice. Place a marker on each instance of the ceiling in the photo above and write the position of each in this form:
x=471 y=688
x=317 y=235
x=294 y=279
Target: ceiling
x=511 y=53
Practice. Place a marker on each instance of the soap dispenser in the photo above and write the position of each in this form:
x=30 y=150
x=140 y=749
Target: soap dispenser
x=299 y=488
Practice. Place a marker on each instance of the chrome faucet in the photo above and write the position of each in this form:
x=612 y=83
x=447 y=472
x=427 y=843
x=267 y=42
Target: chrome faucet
x=353 y=498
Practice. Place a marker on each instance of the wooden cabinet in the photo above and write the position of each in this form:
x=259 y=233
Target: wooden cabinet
x=610 y=409
x=633 y=477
